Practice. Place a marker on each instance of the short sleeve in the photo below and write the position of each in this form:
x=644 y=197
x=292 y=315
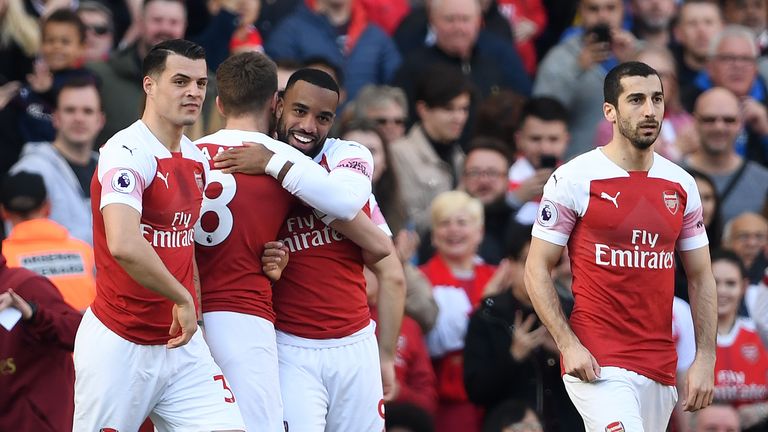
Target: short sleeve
x=124 y=171
x=693 y=234
x=558 y=210
x=351 y=157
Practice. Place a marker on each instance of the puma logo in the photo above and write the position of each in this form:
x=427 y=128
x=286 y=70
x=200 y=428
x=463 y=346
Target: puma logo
x=164 y=178
x=129 y=149
x=604 y=195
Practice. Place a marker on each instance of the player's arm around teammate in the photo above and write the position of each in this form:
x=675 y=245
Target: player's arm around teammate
x=137 y=257
x=700 y=380
x=542 y=258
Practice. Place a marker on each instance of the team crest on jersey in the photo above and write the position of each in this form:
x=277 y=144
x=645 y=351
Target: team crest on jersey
x=199 y=179
x=123 y=181
x=750 y=352
x=615 y=427
x=547 y=216
x=671 y=201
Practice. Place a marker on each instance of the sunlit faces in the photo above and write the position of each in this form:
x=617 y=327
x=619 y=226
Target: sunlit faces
x=78 y=117
x=445 y=123
x=747 y=236
x=718 y=121
x=730 y=287
x=372 y=141
x=305 y=115
x=486 y=175
x=734 y=65
x=457 y=234
x=654 y=14
x=717 y=418
x=595 y=12
x=389 y=118
x=640 y=110
x=698 y=23
x=98 y=34
x=750 y=13
x=61 y=46
x=163 y=20
x=178 y=93
x=537 y=137
x=456 y=24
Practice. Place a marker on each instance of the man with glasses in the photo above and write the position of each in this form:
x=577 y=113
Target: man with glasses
x=99 y=35
x=741 y=184
x=747 y=236
x=386 y=106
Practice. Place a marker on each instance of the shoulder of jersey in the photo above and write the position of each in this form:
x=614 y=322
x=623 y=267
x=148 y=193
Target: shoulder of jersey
x=587 y=166
x=746 y=324
x=126 y=140
x=671 y=170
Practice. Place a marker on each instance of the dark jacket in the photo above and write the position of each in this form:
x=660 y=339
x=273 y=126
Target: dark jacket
x=492 y=376
x=304 y=35
x=37 y=376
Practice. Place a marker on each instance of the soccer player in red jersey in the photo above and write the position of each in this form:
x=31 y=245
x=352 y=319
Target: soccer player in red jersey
x=622 y=210
x=147 y=194
x=241 y=214
x=330 y=366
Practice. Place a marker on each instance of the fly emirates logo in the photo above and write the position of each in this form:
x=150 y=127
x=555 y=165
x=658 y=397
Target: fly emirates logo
x=637 y=257
x=306 y=232
x=180 y=234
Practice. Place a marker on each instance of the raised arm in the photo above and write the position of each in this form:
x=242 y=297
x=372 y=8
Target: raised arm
x=542 y=258
x=699 y=385
x=135 y=255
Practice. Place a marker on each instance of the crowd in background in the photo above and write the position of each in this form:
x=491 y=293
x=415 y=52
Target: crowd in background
x=467 y=107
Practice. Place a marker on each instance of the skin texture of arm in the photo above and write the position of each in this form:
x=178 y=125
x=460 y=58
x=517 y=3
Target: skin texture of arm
x=542 y=258
x=700 y=379
x=139 y=260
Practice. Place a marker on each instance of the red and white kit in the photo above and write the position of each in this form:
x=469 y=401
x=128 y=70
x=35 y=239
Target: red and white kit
x=622 y=229
x=329 y=363
x=124 y=372
x=741 y=368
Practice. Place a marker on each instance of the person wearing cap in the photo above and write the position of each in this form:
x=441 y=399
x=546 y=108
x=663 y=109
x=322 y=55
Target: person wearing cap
x=37 y=375
x=43 y=246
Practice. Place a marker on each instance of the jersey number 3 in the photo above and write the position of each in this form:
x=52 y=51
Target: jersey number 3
x=215 y=223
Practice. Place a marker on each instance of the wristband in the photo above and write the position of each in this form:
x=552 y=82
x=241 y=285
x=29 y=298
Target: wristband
x=275 y=164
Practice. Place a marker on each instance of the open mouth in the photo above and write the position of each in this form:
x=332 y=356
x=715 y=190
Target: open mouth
x=302 y=139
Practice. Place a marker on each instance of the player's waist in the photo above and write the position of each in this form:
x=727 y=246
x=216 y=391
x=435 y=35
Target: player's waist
x=286 y=338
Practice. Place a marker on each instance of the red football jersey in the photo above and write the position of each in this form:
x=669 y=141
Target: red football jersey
x=741 y=368
x=135 y=169
x=621 y=229
x=321 y=294
x=240 y=214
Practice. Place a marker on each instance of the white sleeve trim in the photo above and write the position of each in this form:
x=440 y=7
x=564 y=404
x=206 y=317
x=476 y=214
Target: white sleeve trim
x=692 y=243
x=549 y=235
x=117 y=198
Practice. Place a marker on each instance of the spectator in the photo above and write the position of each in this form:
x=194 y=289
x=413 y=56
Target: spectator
x=160 y=20
x=489 y=62
x=272 y=13
x=542 y=142
x=36 y=371
x=573 y=71
x=67 y=164
x=751 y=14
x=19 y=44
x=678 y=123
x=386 y=14
x=245 y=37
x=339 y=32
x=528 y=20
x=285 y=68
x=747 y=236
x=716 y=418
x=498 y=116
x=741 y=368
x=514 y=416
x=63 y=44
x=405 y=417
x=698 y=22
x=651 y=21
x=459 y=278
x=384 y=105
x=99 y=30
x=428 y=159
x=486 y=168
x=43 y=246
x=509 y=354
x=741 y=184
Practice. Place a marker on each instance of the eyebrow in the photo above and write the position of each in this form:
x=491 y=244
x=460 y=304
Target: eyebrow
x=181 y=75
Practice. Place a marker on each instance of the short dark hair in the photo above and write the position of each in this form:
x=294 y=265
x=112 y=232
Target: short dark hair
x=22 y=193
x=320 y=62
x=408 y=416
x=544 y=108
x=612 y=84
x=77 y=83
x=246 y=83
x=66 y=16
x=439 y=84
x=491 y=144
x=315 y=77
x=154 y=62
x=730 y=256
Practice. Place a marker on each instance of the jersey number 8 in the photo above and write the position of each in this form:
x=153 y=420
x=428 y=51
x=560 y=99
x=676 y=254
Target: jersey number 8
x=216 y=220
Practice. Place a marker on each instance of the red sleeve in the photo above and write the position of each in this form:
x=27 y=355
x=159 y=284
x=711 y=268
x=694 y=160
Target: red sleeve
x=535 y=12
x=55 y=321
x=416 y=378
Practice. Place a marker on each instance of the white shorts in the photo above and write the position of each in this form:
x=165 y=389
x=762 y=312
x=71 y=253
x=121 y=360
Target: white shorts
x=622 y=401
x=244 y=347
x=119 y=383
x=331 y=384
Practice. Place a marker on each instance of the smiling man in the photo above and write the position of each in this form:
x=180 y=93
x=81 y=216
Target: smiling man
x=622 y=210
